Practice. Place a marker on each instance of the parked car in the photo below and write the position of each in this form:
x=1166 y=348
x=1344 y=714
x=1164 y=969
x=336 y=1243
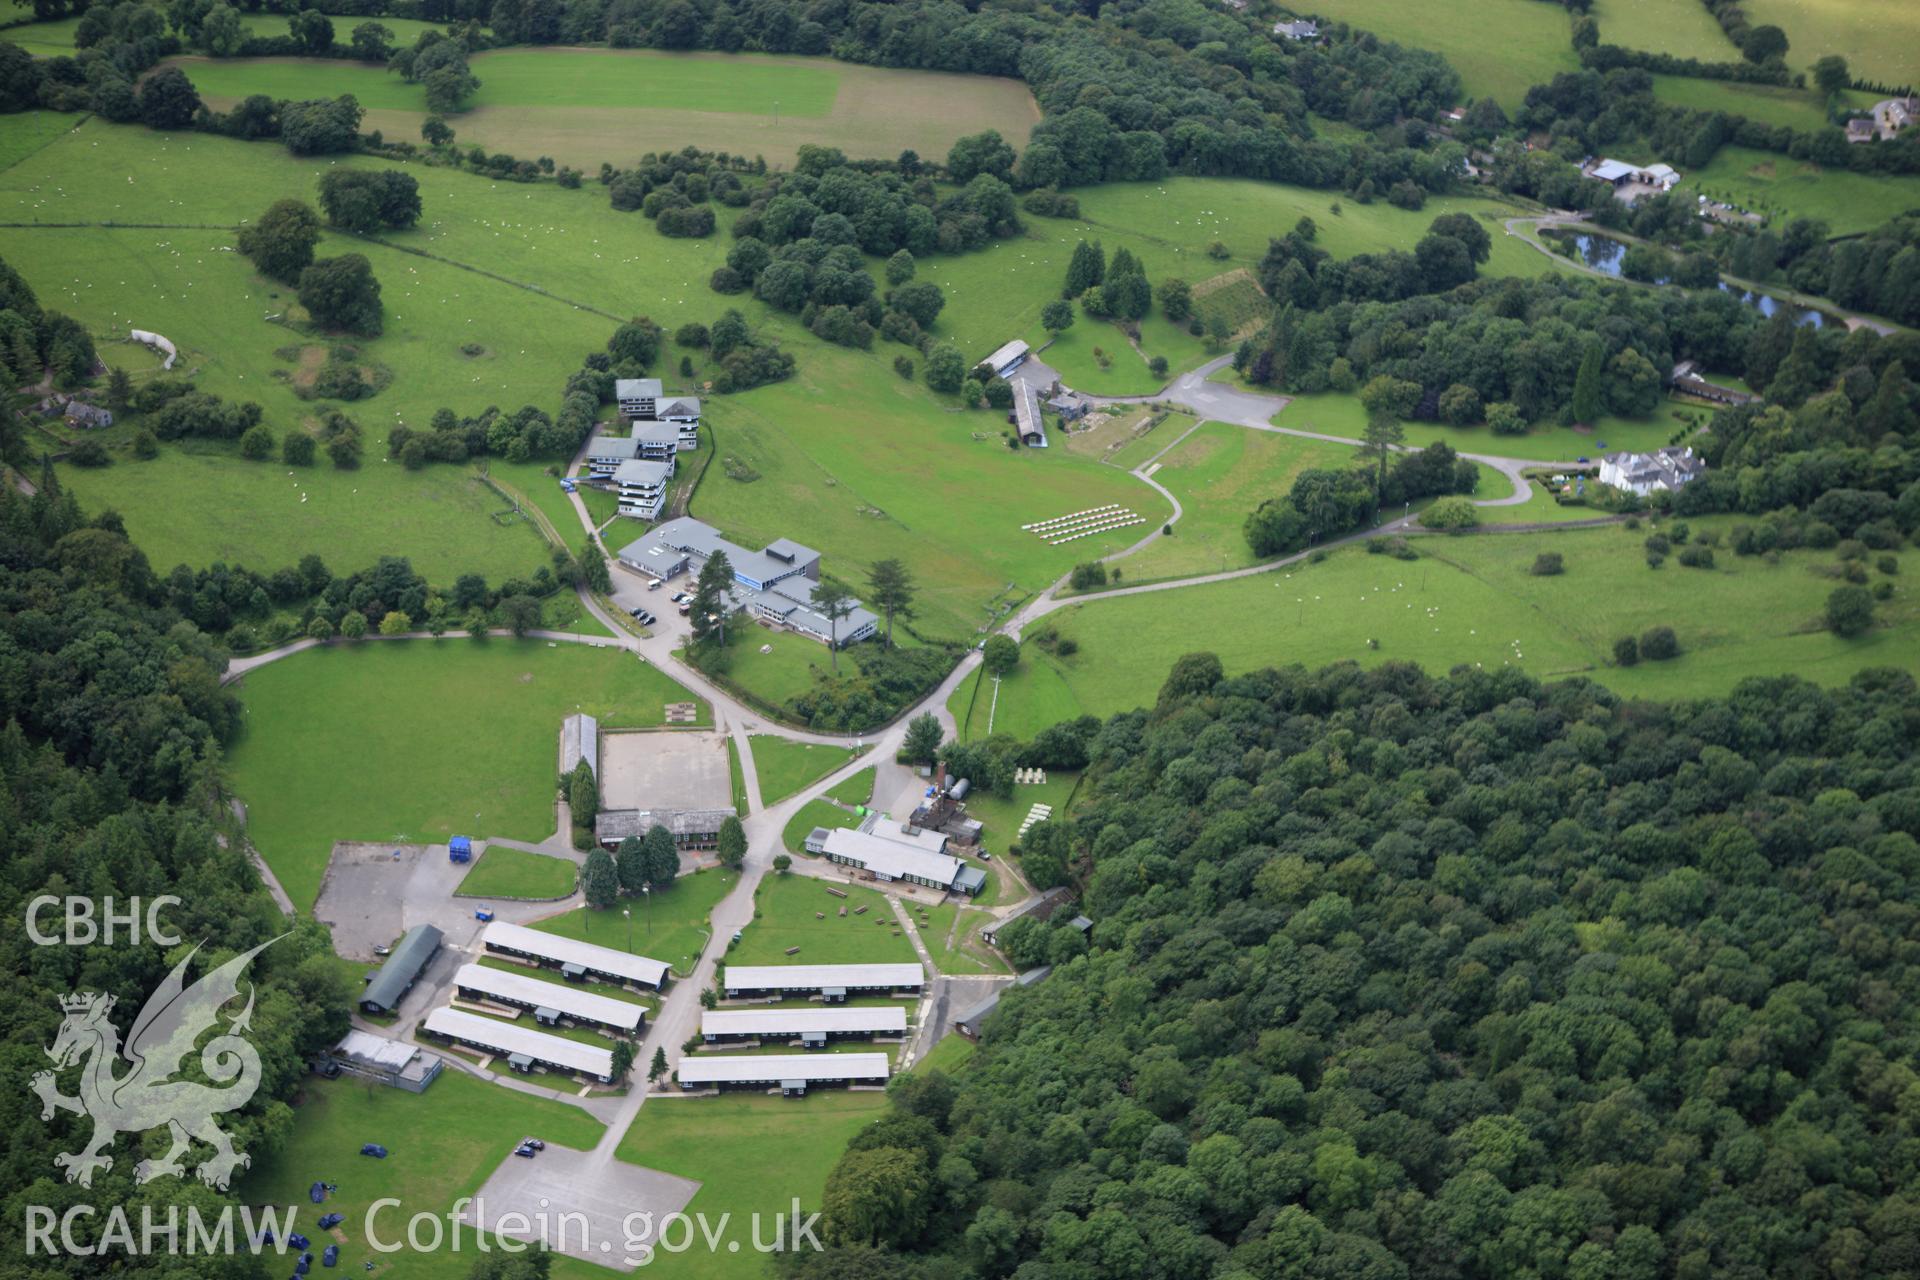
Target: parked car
x=685 y=609
x=536 y=1143
x=646 y=619
x=524 y=1151
x=383 y=951
x=681 y=597
x=636 y=611
x=654 y=585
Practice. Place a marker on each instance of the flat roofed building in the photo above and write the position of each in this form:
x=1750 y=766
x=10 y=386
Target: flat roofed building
x=590 y=959
x=690 y=828
x=824 y=979
x=638 y=397
x=1007 y=358
x=477 y=981
x=537 y=1048
x=890 y=860
x=396 y=977
x=720 y=1026
x=606 y=453
x=642 y=487
x=391 y=1062
x=791 y=1073
x=1027 y=418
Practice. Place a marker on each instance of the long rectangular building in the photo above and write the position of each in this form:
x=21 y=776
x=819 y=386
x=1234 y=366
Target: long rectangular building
x=831 y=982
x=575 y=959
x=549 y=1001
x=524 y=1047
x=812 y=1027
x=888 y=859
x=792 y=1073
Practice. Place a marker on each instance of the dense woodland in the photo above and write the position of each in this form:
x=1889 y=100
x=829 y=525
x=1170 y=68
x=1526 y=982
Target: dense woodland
x=1394 y=975
x=110 y=786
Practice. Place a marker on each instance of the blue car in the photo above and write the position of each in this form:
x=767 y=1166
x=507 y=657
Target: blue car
x=1579 y=459
x=375 y=1150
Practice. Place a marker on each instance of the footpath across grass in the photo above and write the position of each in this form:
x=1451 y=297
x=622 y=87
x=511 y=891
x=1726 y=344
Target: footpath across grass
x=514 y=873
x=798 y=911
x=442 y=1144
x=785 y=766
x=415 y=740
x=669 y=925
x=752 y=1155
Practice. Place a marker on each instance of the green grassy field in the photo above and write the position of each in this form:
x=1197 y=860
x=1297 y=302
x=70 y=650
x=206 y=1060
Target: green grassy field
x=784 y=766
x=1880 y=39
x=1500 y=47
x=514 y=873
x=946 y=942
x=29 y=131
x=443 y=1144
x=1784 y=188
x=1334 y=414
x=1771 y=104
x=670 y=926
x=1002 y=815
x=51 y=39
x=1169 y=226
x=1219 y=474
x=864 y=466
x=1682 y=28
x=198 y=502
x=751 y=1154
x=784 y=908
x=1469 y=600
x=587 y=105
x=415 y=740
x=949 y=1055
x=857 y=789
x=814 y=813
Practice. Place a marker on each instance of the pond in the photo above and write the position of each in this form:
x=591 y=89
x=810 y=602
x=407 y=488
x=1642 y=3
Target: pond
x=1605 y=255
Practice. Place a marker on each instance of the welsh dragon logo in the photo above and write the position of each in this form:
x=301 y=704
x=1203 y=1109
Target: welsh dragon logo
x=148 y=1097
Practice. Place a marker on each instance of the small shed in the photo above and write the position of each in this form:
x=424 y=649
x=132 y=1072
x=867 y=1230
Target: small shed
x=460 y=849
x=833 y=995
x=793 y=1088
x=520 y=1062
x=546 y=1017
x=573 y=972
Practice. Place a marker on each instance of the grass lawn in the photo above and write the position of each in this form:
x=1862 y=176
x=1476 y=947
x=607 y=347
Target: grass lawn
x=1034 y=688
x=953 y=956
x=669 y=926
x=785 y=766
x=1335 y=414
x=1002 y=815
x=783 y=916
x=1880 y=39
x=587 y=105
x=1219 y=474
x=1471 y=600
x=814 y=813
x=541 y=974
x=949 y=1055
x=514 y=873
x=785 y=671
x=443 y=1144
x=865 y=466
x=736 y=778
x=29 y=131
x=531 y=481
x=416 y=740
x=858 y=789
x=752 y=1154
x=1541 y=506
x=1784 y=188
x=198 y=502
x=602 y=506
x=1501 y=48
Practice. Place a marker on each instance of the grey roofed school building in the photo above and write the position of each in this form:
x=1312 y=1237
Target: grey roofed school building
x=477 y=981
x=396 y=977
x=690 y=828
x=390 y=1062
x=775 y=584
x=792 y=1073
x=587 y=959
x=580 y=740
x=1027 y=418
x=521 y=1043
x=720 y=1026
x=832 y=981
x=641 y=485
x=887 y=859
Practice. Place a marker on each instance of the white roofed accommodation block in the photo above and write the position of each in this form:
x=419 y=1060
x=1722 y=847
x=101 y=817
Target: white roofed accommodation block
x=642 y=487
x=791 y=1073
x=556 y=1053
x=579 y=740
x=722 y=1025
x=477 y=981
x=832 y=982
x=589 y=959
x=890 y=859
x=637 y=397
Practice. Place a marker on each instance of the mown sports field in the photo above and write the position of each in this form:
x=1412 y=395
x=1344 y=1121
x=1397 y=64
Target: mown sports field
x=415 y=740
x=585 y=106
